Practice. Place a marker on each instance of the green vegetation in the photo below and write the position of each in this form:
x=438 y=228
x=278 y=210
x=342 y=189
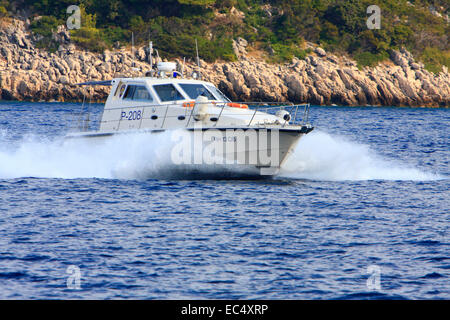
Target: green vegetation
x=367 y=58
x=278 y=26
x=88 y=36
x=4 y=5
x=44 y=27
x=3 y=12
x=434 y=59
x=282 y=53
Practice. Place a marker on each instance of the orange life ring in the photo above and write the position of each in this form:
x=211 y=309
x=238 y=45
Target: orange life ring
x=190 y=104
x=237 y=105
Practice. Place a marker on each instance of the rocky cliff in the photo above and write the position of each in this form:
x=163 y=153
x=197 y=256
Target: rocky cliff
x=322 y=78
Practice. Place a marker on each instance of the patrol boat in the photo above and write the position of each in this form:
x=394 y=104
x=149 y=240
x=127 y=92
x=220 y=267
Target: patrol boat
x=215 y=131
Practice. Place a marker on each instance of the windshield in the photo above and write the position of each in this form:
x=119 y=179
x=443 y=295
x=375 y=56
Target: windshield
x=219 y=95
x=168 y=92
x=196 y=90
x=137 y=93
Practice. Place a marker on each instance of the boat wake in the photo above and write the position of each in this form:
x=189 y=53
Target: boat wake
x=318 y=156
x=123 y=157
x=127 y=156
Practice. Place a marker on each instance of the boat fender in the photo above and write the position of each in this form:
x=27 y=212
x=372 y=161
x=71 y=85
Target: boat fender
x=237 y=105
x=200 y=111
x=283 y=114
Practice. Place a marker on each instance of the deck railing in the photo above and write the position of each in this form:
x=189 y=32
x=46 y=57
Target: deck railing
x=84 y=122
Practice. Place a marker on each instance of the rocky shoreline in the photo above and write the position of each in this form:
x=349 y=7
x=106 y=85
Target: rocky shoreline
x=28 y=73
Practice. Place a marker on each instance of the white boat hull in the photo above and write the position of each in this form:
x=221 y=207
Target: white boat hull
x=250 y=151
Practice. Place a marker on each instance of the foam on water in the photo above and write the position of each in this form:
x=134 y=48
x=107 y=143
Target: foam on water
x=122 y=156
x=321 y=156
x=318 y=156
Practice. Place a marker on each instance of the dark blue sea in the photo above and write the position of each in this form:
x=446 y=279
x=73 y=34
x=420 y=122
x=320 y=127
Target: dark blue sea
x=360 y=211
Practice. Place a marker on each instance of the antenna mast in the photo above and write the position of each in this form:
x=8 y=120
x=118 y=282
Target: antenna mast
x=198 y=59
x=132 y=47
x=150 y=47
x=182 y=69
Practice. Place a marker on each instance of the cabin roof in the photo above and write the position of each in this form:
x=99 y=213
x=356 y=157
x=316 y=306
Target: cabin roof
x=95 y=83
x=148 y=80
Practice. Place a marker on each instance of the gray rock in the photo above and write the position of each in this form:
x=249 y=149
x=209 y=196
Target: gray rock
x=242 y=42
x=415 y=66
x=141 y=54
x=7 y=53
x=311 y=60
x=64 y=80
x=32 y=73
x=22 y=88
x=320 y=52
x=399 y=59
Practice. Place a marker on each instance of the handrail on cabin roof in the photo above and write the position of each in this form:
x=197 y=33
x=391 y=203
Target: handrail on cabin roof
x=95 y=83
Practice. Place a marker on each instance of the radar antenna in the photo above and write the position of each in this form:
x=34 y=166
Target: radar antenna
x=198 y=59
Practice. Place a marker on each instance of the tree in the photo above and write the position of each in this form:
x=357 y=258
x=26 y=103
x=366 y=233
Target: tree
x=197 y=2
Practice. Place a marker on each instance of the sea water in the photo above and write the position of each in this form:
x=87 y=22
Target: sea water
x=361 y=210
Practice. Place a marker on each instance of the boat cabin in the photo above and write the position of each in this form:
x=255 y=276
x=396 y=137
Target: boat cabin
x=167 y=100
x=130 y=92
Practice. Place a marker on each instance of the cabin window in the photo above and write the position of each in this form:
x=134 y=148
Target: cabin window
x=122 y=89
x=196 y=90
x=137 y=93
x=219 y=95
x=129 y=93
x=119 y=89
x=141 y=94
x=168 y=92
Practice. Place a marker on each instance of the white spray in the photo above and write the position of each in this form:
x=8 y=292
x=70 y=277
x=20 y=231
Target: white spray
x=318 y=156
